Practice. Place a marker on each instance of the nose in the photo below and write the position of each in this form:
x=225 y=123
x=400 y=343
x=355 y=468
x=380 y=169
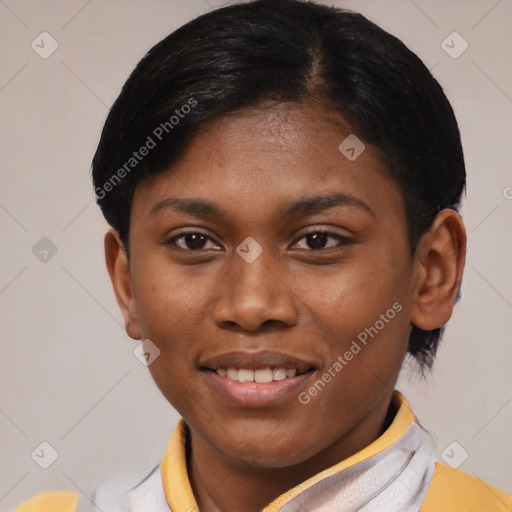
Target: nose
x=254 y=296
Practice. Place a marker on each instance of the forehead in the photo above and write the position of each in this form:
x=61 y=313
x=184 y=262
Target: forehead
x=270 y=154
x=274 y=140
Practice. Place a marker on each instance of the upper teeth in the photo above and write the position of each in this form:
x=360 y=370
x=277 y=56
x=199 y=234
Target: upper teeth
x=260 y=376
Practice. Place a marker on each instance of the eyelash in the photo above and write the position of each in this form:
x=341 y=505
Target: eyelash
x=343 y=240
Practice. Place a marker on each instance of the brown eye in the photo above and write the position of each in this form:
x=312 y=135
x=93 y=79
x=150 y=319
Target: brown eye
x=191 y=241
x=318 y=240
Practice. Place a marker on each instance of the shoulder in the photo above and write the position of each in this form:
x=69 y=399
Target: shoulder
x=147 y=494
x=67 y=501
x=452 y=490
x=58 y=501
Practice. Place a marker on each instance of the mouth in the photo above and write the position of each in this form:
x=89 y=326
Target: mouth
x=260 y=375
x=256 y=379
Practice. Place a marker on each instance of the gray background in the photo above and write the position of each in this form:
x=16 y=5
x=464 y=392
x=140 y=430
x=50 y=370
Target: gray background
x=68 y=373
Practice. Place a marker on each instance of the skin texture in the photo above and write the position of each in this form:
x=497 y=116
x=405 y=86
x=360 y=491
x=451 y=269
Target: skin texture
x=309 y=301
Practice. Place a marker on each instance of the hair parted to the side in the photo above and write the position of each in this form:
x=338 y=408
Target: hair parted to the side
x=286 y=51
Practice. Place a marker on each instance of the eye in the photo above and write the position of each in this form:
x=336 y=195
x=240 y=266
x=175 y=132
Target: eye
x=315 y=240
x=191 y=241
x=318 y=240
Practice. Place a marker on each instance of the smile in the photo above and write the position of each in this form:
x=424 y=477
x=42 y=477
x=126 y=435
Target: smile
x=261 y=376
x=251 y=380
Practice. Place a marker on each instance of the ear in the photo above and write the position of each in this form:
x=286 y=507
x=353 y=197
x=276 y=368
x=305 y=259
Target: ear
x=119 y=270
x=440 y=258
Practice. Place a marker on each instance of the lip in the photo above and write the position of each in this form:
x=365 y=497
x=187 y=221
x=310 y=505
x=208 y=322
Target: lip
x=256 y=361
x=253 y=394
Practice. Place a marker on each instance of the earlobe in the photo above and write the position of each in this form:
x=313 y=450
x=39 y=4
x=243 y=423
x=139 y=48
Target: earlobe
x=440 y=259
x=119 y=270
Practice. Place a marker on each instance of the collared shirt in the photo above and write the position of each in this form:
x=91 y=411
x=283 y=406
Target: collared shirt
x=396 y=473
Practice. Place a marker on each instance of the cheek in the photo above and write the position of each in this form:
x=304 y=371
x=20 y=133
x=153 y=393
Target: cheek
x=169 y=310
x=353 y=296
x=362 y=311
x=366 y=324
x=165 y=298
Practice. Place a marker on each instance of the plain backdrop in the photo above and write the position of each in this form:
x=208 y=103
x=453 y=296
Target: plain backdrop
x=68 y=373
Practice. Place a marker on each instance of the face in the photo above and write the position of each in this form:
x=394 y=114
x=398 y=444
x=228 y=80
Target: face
x=274 y=275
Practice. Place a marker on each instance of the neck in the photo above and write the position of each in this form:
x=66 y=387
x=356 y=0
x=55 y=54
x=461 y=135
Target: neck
x=221 y=484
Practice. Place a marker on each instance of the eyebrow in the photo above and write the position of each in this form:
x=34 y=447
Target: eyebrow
x=306 y=205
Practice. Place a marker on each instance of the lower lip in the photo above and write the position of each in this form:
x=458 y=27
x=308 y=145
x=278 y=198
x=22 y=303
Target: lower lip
x=253 y=394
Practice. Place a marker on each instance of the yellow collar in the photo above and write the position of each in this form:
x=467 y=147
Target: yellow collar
x=178 y=491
